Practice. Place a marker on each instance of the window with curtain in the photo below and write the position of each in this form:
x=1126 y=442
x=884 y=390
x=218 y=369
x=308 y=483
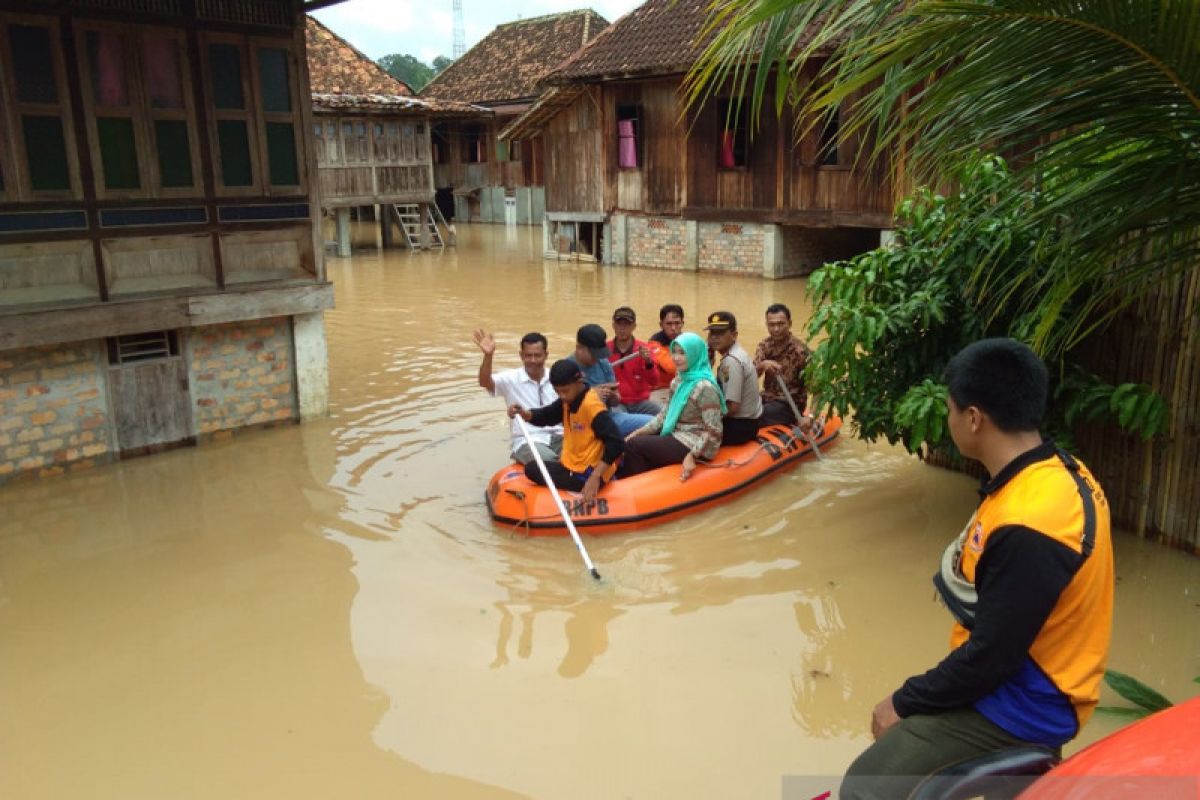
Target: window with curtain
x=732 y=148
x=227 y=87
x=279 y=116
x=140 y=114
x=629 y=137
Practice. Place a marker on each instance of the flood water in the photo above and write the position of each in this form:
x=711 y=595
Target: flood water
x=326 y=611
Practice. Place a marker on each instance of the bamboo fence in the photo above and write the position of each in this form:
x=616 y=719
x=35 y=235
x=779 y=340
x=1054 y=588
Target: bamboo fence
x=1153 y=488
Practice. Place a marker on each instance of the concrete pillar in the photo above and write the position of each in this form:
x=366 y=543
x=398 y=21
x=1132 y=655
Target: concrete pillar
x=462 y=210
x=537 y=204
x=485 y=205
x=691 y=232
x=387 y=233
x=772 y=266
x=524 y=205
x=312 y=364
x=343 y=232
x=618 y=253
x=424 y=237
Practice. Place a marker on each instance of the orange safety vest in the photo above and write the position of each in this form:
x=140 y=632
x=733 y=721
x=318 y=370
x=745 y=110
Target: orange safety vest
x=581 y=448
x=1058 y=498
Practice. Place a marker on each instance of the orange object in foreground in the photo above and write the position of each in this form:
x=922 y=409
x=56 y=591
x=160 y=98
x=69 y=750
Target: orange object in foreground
x=656 y=496
x=1157 y=757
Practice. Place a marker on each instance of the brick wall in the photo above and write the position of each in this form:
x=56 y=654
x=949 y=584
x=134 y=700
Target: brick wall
x=242 y=374
x=656 y=242
x=731 y=247
x=53 y=410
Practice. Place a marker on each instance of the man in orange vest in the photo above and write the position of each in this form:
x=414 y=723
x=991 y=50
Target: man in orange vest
x=1029 y=582
x=591 y=441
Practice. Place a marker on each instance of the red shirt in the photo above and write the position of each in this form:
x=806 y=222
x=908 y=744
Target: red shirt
x=635 y=378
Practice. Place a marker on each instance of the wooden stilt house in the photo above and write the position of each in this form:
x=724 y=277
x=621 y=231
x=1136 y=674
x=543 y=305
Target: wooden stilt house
x=632 y=178
x=161 y=278
x=479 y=177
x=372 y=141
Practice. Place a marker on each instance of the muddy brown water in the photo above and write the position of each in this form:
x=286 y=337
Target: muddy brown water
x=326 y=611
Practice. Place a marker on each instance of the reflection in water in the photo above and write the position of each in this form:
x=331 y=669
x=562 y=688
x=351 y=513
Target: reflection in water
x=325 y=610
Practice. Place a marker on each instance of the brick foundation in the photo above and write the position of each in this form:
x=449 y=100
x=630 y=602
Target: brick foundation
x=731 y=247
x=53 y=410
x=242 y=374
x=658 y=243
x=55 y=404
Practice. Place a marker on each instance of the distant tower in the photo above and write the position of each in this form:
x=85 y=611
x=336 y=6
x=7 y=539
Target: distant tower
x=460 y=38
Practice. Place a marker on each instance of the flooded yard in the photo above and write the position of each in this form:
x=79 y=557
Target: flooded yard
x=326 y=610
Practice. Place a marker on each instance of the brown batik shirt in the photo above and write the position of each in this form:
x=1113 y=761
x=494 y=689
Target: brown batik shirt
x=792 y=356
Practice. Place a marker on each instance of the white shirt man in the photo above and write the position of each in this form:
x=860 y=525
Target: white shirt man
x=527 y=386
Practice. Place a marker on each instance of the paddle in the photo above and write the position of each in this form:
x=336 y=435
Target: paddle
x=562 y=508
x=625 y=358
x=808 y=437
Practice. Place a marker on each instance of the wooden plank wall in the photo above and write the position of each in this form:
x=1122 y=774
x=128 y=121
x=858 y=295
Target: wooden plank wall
x=1153 y=487
x=658 y=187
x=574 y=158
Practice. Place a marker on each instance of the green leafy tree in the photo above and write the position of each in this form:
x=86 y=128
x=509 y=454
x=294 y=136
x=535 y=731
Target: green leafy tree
x=440 y=63
x=407 y=68
x=1101 y=100
x=889 y=320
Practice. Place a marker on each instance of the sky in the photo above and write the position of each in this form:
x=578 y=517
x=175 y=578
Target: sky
x=425 y=28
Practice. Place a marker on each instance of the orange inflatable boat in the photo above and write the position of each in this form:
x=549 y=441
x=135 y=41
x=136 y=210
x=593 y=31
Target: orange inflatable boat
x=655 y=496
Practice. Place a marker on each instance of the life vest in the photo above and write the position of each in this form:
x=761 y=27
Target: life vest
x=581 y=448
x=1056 y=689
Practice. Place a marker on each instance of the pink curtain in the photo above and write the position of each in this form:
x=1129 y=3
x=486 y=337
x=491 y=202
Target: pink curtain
x=108 y=70
x=727 y=159
x=627 y=144
x=160 y=62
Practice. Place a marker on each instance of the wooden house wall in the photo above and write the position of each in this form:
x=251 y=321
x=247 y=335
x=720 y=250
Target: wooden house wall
x=657 y=186
x=499 y=167
x=363 y=160
x=574 y=158
x=679 y=172
x=184 y=163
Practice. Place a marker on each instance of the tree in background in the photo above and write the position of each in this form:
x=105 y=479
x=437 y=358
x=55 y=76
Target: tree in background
x=412 y=71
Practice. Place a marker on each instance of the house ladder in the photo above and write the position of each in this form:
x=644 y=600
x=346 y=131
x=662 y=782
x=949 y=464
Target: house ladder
x=409 y=216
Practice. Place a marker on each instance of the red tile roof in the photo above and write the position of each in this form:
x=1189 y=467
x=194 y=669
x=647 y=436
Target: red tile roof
x=509 y=62
x=657 y=37
x=337 y=67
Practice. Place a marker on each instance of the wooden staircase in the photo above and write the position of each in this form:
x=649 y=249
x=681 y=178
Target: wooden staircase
x=409 y=217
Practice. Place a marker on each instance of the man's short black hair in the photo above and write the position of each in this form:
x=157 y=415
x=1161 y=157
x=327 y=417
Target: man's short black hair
x=1003 y=378
x=535 y=338
x=670 y=308
x=780 y=308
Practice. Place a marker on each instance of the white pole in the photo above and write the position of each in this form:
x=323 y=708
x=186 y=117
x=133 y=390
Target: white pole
x=562 y=507
x=808 y=437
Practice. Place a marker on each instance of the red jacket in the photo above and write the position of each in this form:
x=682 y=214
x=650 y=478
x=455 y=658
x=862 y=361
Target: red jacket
x=635 y=378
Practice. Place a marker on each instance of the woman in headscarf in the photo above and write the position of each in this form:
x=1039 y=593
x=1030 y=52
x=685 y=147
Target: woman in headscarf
x=689 y=425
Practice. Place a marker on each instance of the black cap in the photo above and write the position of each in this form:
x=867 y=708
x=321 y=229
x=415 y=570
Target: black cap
x=593 y=338
x=721 y=321
x=625 y=313
x=564 y=371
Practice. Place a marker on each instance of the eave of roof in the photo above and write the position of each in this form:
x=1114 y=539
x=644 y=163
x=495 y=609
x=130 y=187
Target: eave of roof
x=547 y=106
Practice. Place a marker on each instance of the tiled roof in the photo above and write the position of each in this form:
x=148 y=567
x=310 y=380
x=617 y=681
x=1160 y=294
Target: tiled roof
x=336 y=67
x=391 y=102
x=509 y=62
x=657 y=37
